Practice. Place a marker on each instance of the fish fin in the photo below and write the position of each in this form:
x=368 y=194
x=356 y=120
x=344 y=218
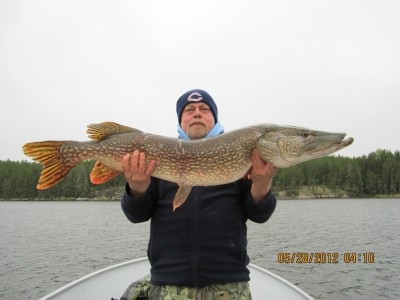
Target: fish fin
x=101 y=173
x=102 y=130
x=181 y=196
x=55 y=165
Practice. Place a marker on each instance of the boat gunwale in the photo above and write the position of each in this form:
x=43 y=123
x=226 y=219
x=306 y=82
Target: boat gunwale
x=90 y=275
x=142 y=259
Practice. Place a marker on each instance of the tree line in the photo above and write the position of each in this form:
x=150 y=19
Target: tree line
x=376 y=174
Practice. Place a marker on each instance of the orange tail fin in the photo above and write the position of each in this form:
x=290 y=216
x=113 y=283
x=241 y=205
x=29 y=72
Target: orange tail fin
x=55 y=165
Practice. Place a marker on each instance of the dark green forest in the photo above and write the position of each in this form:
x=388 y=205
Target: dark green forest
x=373 y=175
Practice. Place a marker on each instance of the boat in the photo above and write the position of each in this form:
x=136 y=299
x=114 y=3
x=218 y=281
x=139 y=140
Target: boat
x=111 y=282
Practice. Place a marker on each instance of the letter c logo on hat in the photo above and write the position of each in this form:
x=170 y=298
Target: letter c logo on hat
x=195 y=97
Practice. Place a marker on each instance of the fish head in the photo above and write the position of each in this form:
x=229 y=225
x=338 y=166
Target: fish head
x=286 y=146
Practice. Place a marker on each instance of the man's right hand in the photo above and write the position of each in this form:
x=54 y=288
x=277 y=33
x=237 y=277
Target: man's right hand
x=135 y=171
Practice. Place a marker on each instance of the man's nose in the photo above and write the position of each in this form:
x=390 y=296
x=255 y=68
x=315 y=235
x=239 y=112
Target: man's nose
x=197 y=112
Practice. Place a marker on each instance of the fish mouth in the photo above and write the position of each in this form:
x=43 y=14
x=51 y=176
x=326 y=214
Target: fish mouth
x=328 y=143
x=341 y=142
x=347 y=142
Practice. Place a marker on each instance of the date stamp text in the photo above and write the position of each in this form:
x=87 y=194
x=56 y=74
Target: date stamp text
x=326 y=257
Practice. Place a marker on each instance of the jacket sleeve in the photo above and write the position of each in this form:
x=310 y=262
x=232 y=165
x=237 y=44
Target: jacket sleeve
x=260 y=211
x=139 y=209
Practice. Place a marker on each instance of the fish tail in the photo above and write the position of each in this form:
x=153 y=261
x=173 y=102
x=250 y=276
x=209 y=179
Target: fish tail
x=56 y=166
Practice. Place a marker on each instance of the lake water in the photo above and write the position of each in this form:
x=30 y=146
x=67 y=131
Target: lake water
x=45 y=245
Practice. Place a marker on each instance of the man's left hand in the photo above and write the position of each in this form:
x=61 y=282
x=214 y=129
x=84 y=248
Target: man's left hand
x=261 y=174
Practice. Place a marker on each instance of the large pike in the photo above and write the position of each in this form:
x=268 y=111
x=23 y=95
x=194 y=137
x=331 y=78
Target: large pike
x=212 y=161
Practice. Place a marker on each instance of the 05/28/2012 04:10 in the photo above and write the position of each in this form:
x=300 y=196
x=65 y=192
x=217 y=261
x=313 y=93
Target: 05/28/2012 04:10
x=326 y=257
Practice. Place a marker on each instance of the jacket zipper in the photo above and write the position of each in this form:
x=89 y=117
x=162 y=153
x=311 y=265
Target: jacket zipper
x=194 y=255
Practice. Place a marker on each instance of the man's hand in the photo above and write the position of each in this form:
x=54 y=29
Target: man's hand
x=136 y=173
x=261 y=174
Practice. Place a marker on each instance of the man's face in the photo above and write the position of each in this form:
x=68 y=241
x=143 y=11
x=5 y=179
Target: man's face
x=197 y=120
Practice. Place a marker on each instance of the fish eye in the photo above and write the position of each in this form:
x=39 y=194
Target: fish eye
x=303 y=134
x=306 y=134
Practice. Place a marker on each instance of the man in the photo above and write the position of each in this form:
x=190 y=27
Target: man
x=199 y=250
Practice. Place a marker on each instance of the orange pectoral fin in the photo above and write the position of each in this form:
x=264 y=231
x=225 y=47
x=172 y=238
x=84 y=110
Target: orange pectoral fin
x=181 y=196
x=101 y=173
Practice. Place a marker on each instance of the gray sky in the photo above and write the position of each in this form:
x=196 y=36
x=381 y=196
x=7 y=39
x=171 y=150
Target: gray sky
x=326 y=65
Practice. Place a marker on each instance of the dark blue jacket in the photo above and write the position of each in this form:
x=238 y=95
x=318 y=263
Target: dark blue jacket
x=204 y=241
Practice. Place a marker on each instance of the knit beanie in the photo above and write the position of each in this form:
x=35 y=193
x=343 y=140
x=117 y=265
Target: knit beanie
x=196 y=95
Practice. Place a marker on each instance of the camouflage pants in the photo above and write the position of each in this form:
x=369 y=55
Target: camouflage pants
x=227 y=291
x=142 y=289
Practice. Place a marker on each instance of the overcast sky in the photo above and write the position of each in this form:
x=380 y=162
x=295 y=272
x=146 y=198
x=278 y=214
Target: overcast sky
x=326 y=65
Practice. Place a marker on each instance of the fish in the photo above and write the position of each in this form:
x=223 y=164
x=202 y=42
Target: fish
x=205 y=162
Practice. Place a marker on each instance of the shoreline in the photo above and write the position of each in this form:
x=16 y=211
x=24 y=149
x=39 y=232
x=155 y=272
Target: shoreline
x=278 y=197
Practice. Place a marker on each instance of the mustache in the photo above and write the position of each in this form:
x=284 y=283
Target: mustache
x=198 y=121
